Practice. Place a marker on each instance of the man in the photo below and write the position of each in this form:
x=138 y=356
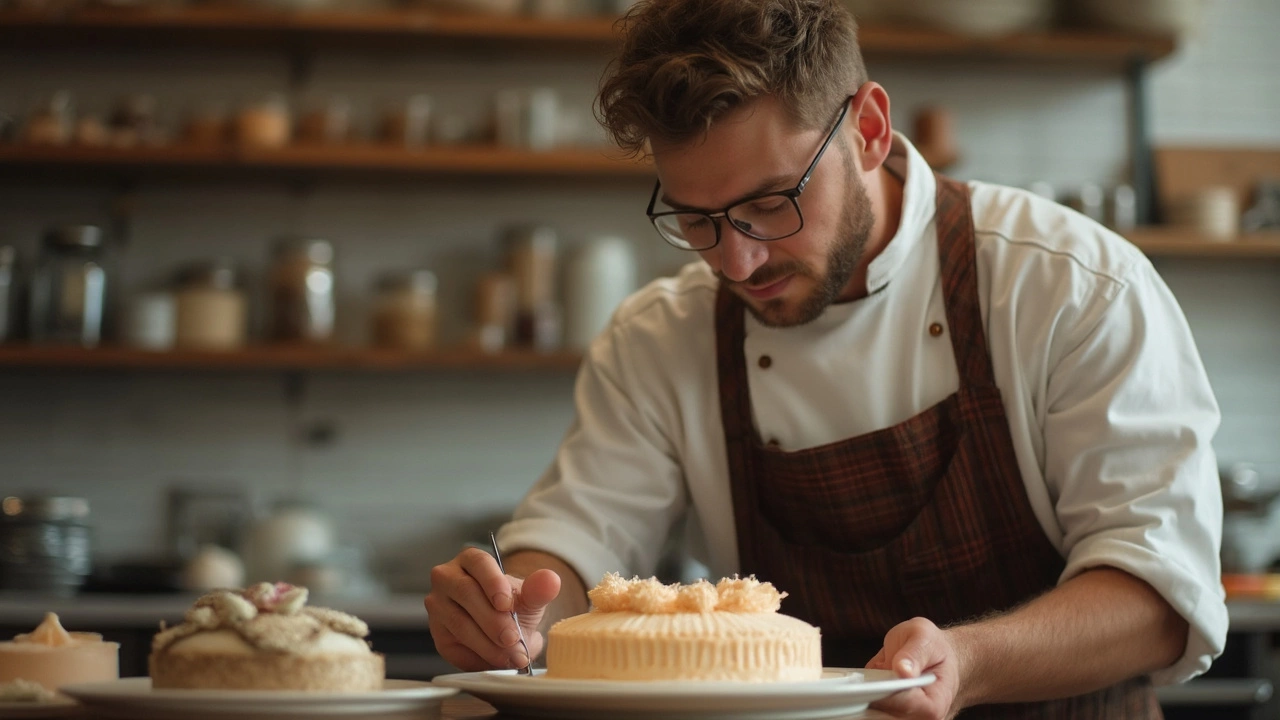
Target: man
x=966 y=429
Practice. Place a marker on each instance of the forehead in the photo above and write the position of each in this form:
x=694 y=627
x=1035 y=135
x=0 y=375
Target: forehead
x=748 y=145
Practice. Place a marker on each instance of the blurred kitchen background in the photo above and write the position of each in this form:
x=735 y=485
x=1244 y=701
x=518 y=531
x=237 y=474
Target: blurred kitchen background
x=308 y=280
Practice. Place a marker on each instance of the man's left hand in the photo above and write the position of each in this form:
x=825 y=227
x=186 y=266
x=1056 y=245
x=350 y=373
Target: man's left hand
x=914 y=648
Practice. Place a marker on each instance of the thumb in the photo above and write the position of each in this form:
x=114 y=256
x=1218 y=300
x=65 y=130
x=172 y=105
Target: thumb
x=913 y=657
x=536 y=592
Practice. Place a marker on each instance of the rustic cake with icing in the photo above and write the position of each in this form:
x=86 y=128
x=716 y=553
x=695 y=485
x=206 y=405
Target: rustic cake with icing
x=265 y=638
x=644 y=630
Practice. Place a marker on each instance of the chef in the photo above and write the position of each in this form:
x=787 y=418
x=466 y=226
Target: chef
x=966 y=429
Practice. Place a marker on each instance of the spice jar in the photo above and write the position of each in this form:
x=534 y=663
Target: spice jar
x=205 y=125
x=405 y=312
x=325 y=122
x=264 y=123
x=68 y=291
x=301 y=285
x=211 y=307
x=52 y=122
x=495 y=314
x=408 y=123
x=532 y=257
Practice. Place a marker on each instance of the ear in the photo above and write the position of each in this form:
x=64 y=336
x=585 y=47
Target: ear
x=870 y=110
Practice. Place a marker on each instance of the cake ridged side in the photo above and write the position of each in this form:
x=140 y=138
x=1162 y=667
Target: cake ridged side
x=267 y=671
x=684 y=646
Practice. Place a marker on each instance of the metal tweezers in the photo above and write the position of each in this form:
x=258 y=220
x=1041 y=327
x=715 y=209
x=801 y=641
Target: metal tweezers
x=528 y=668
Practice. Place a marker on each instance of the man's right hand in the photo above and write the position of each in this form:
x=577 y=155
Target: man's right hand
x=469 y=611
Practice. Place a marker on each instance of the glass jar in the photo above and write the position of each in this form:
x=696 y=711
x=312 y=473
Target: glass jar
x=45 y=544
x=51 y=123
x=68 y=291
x=301 y=285
x=405 y=313
x=211 y=307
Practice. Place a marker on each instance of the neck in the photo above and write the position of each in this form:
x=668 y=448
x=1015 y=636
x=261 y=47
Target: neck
x=885 y=191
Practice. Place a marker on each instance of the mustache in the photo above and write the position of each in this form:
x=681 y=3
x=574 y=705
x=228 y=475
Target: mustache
x=766 y=275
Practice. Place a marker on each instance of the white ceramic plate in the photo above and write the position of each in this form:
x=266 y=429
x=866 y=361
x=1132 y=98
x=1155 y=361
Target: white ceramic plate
x=133 y=698
x=840 y=692
x=60 y=708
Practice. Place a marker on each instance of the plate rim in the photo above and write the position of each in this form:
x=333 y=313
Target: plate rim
x=138 y=689
x=486 y=681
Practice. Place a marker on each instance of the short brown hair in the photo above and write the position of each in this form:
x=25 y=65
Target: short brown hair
x=685 y=63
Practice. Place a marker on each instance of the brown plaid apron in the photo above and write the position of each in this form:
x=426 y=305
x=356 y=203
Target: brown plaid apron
x=928 y=518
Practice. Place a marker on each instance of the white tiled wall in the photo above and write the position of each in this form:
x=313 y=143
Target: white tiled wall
x=421 y=463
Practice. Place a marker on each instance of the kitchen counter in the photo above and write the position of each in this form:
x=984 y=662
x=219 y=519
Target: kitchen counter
x=389 y=612
x=92 y=611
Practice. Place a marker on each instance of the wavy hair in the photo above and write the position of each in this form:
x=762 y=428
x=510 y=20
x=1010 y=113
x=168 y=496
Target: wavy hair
x=685 y=63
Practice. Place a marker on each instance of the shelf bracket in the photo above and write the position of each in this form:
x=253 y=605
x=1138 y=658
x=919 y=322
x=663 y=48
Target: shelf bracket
x=1141 y=167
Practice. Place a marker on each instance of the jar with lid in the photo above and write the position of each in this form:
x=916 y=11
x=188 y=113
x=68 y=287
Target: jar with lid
x=45 y=544
x=301 y=286
x=69 y=289
x=405 y=312
x=211 y=308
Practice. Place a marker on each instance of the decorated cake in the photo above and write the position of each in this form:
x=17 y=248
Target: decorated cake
x=644 y=630
x=35 y=664
x=265 y=638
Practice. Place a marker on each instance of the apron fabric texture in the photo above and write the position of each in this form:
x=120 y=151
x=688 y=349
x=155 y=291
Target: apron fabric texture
x=927 y=518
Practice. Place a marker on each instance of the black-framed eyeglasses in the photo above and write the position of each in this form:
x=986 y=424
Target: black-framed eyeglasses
x=768 y=216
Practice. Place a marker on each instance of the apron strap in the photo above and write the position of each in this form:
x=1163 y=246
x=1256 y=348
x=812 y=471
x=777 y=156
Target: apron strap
x=958 y=253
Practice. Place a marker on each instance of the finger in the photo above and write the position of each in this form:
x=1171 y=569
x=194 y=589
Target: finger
x=462 y=626
x=498 y=625
x=537 y=590
x=481 y=566
x=457 y=654
x=878 y=662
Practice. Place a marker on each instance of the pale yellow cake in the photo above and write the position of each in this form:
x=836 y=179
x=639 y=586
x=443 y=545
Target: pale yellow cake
x=265 y=638
x=35 y=664
x=643 y=630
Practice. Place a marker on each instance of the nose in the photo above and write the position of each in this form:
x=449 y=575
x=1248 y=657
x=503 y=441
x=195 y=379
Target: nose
x=737 y=255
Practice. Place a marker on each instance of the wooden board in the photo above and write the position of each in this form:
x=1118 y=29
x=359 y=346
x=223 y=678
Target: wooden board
x=1181 y=171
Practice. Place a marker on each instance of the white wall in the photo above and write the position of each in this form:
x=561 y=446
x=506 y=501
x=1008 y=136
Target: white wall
x=422 y=462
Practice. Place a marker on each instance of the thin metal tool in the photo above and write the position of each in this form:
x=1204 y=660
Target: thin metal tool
x=528 y=668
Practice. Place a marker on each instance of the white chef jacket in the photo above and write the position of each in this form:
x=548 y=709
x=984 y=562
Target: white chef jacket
x=1108 y=404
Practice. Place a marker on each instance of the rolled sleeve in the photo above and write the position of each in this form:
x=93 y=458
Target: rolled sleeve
x=1128 y=433
x=614 y=489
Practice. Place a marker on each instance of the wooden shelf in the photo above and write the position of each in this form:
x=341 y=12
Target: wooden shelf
x=236 y=26
x=284 y=358
x=1168 y=242
x=452 y=160
x=1059 y=45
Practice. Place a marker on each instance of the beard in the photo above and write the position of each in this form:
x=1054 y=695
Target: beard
x=852 y=233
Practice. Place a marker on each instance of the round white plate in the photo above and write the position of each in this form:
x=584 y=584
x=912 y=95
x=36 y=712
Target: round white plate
x=60 y=708
x=133 y=698
x=840 y=692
